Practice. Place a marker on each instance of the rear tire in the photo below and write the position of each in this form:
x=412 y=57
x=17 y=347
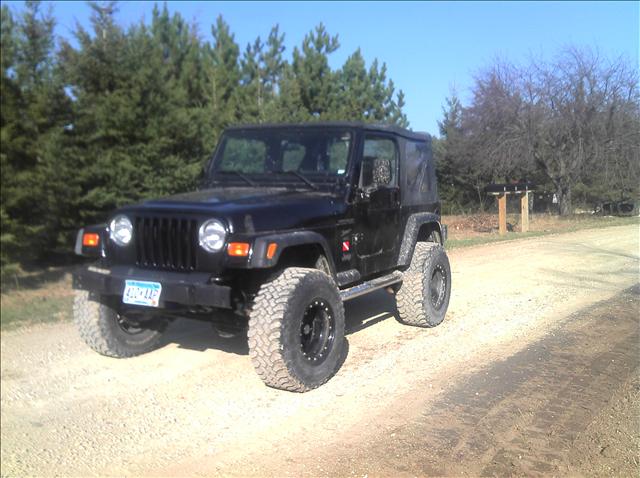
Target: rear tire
x=423 y=297
x=296 y=330
x=109 y=333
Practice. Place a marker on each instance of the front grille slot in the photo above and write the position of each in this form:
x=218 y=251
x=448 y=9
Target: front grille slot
x=166 y=243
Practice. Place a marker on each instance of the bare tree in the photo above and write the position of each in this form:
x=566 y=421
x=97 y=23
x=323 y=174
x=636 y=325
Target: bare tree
x=580 y=117
x=574 y=119
x=492 y=120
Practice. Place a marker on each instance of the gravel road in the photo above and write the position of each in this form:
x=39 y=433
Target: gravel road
x=403 y=400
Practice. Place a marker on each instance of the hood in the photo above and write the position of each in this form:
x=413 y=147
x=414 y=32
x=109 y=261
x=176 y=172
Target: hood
x=253 y=209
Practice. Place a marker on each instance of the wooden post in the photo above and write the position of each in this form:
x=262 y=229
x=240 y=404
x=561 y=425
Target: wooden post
x=502 y=214
x=524 y=212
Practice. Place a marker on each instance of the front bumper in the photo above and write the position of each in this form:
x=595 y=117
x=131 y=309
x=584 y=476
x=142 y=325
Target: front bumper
x=188 y=289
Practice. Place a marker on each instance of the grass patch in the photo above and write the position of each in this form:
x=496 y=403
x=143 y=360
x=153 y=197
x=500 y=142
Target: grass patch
x=491 y=238
x=540 y=226
x=51 y=302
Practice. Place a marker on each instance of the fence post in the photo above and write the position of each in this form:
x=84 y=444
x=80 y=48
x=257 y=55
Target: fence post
x=502 y=214
x=524 y=212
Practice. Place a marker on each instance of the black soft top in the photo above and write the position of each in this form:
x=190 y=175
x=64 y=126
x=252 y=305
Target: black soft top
x=386 y=128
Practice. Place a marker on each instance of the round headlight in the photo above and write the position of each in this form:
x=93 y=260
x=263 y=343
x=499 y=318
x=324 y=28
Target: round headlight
x=212 y=235
x=121 y=230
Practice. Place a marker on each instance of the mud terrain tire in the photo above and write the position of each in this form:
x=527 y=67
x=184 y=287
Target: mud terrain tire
x=423 y=297
x=296 y=330
x=104 y=330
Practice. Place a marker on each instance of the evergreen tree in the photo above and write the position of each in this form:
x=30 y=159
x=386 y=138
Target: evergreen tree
x=354 y=89
x=451 y=164
x=141 y=127
x=313 y=73
x=397 y=115
x=134 y=113
x=12 y=137
x=34 y=112
x=288 y=105
x=367 y=95
x=223 y=75
x=272 y=60
x=252 y=83
x=262 y=66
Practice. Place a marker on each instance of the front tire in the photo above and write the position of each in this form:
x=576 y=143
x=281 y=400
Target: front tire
x=111 y=334
x=296 y=330
x=423 y=297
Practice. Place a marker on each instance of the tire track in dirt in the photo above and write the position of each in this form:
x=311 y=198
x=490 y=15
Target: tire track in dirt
x=520 y=416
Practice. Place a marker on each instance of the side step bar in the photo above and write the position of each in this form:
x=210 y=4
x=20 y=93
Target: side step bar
x=369 y=286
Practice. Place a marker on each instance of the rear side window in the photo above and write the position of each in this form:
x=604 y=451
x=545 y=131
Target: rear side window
x=417 y=165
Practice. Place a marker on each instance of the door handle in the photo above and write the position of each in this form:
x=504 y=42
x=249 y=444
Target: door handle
x=363 y=194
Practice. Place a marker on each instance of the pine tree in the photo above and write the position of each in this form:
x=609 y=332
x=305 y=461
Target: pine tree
x=313 y=74
x=354 y=89
x=397 y=115
x=367 y=95
x=262 y=66
x=223 y=75
x=142 y=128
x=134 y=113
x=272 y=61
x=12 y=138
x=288 y=106
x=448 y=155
x=34 y=112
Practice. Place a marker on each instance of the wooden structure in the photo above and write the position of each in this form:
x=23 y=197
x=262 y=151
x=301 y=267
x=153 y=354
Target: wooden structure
x=501 y=191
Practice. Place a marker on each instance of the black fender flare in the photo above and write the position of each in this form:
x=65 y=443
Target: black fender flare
x=284 y=240
x=414 y=223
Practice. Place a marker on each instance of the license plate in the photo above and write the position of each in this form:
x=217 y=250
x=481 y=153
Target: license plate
x=137 y=292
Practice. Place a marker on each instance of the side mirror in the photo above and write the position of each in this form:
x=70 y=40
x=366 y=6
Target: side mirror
x=381 y=171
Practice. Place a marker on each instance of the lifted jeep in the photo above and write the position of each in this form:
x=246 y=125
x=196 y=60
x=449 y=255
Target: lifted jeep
x=289 y=222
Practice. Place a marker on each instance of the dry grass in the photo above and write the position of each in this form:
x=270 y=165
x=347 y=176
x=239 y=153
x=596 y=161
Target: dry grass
x=480 y=228
x=24 y=302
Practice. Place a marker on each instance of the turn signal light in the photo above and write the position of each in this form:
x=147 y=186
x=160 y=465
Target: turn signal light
x=90 y=239
x=271 y=250
x=238 y=249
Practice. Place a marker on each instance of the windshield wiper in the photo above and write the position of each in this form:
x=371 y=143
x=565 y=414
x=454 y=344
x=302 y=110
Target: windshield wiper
x=240 y=175
x=300 y=176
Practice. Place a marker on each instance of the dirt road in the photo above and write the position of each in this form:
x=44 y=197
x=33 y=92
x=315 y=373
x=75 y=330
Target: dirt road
x=534 y=371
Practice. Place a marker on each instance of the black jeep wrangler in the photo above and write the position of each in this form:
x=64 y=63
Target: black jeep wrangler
x=289 y=222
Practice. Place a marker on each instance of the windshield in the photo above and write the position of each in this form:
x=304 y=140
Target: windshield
x=311 y=153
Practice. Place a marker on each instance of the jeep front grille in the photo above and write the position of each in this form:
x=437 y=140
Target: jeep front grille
x=166 y=243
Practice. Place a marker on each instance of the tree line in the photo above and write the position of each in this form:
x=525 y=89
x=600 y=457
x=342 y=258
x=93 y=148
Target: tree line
x=126 y=114
x=123 y=114
x=571 y=125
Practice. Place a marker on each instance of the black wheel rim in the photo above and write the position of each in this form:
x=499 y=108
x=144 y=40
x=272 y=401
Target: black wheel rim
x=127 y=326
x=317 y=332
x=438 y=287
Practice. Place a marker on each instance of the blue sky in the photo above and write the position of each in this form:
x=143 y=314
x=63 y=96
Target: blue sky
x=429 y=48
